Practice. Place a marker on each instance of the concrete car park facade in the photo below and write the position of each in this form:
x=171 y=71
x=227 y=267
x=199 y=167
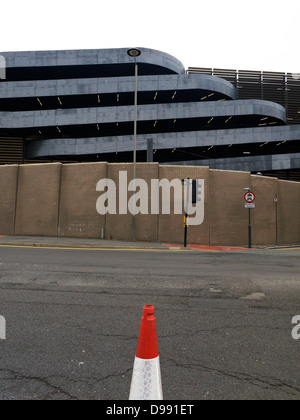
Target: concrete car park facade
x=77 y=106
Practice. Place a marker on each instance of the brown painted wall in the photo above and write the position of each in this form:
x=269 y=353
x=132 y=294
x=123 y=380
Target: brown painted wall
x=38 y=199
x=228 y=216
x=120 y=226
x=55 y=199
x=78 y=196
x=8 y=189
x=171 y=227
x=289 y=212
x=263 y=217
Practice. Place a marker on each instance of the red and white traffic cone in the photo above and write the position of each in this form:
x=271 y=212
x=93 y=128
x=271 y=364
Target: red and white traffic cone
x=146 y=376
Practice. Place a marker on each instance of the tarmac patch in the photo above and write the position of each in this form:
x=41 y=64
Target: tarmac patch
x=254 y=296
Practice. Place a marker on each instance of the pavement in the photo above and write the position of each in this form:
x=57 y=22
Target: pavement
x=63 y=242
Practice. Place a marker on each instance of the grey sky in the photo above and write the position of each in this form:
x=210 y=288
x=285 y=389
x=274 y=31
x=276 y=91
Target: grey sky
x=237 y=34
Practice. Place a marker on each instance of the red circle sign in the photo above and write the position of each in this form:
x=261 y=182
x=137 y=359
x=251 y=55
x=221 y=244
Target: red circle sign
x=249 y=197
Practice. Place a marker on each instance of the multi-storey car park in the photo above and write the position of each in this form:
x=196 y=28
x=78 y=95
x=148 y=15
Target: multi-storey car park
x=77 y=106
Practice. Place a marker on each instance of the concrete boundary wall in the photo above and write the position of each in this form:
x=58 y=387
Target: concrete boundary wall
x=120 y=226
x=171 y=227
x=60 y=200
x=289 y=212
x=37 y=201
x=263 y=217
x=8 y=194
x=228 y=217
x=78 y=196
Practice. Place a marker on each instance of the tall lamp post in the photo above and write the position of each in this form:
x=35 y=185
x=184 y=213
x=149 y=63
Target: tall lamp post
x=134 y=52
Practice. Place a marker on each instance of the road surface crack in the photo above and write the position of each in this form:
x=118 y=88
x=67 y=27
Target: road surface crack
x=260 y=381
x=18 y=376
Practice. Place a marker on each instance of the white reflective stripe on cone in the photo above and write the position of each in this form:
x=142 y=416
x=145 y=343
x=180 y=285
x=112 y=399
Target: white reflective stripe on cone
x=146 y=380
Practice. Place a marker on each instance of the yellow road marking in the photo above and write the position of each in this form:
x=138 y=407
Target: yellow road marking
x=91 y=249
x=170 y=249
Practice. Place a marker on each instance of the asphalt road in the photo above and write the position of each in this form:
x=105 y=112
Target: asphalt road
x=224 y=323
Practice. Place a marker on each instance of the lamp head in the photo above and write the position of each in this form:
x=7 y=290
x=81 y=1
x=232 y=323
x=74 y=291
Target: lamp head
x=134 y=52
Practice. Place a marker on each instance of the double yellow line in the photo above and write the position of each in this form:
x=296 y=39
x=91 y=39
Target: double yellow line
x=93 y=249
